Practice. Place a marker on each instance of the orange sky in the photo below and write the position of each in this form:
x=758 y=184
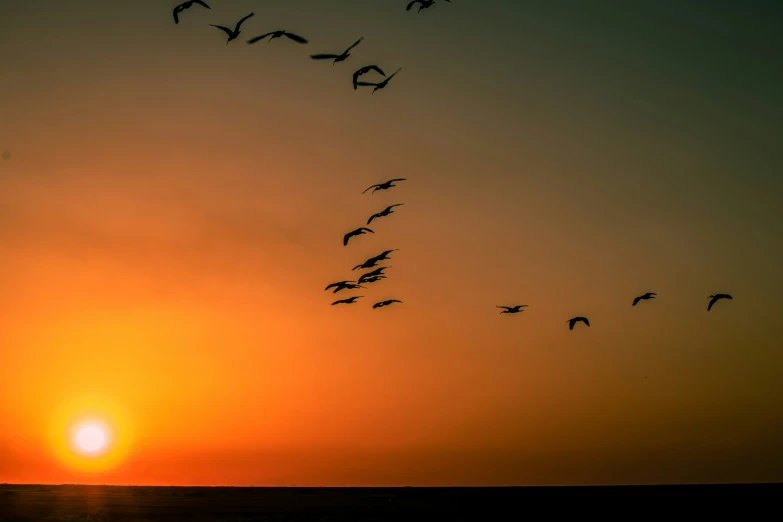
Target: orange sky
x=173 y=208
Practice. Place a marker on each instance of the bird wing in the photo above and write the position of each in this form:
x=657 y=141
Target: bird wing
x=242 y=20
x=506 y=307
x=636 y=300
x=367 y=230
x=586 y=321
x=712 y=302
x=357 y=42
x=323 y=56
x=347 y=236
x=373 y=217
x=228 y=31
x=257 y=38
x=395 y=205
x=571 y=324
x=367 y=84
x=376 y=68
x=391 y=76
x=332 y=285
x=397 y=179
x=200 y=2
x=412 y=4
x=176 y=18
x=395 y=301
x=368 y=188
x=296 y=38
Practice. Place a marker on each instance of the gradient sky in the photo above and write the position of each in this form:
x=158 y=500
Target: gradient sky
x=173 y=208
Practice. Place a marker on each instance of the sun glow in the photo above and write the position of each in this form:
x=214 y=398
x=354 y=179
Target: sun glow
x=91 y=434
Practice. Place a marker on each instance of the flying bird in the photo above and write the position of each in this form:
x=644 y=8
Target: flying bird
x=374 y=279
x=350 y=300
x=232 y=35
x=358 y=232
x=715 y=299
x=379 y=85
x=365 y=70
x=512 y=309
x=376 y=272
x=374 y=260
x=278 y=34
x=385 y=212
x=384 y=255
x=348 y=286
x=339 y=284
x=385 y=303
x=187 y=5
x=648 y=295
x=384 y=186
x=573 y=321
x=367 y=264
x=337 y=57
x=424 y=4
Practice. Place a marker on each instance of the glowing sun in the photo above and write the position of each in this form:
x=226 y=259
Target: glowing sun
x=91 y=433
x=90 y=438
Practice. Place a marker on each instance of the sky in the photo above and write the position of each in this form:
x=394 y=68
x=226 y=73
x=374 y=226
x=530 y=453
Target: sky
x=172 y=207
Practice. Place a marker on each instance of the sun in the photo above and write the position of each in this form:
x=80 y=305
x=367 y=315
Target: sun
x=91 y=438
x=91 y=434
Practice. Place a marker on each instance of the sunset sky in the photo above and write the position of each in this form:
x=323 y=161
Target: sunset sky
x=172 y=208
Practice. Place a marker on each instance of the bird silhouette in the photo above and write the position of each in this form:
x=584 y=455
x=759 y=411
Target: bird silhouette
x=374 y=279
x=715 y=299
x=648 y=295
x=374 y=273
x=278 y=34
x=187 y=5
x=384 y=255
x=337 y=57
x=385 y=303
x=573 y=321
x=512 y=309
x=367 y=264
x=424 y=4
x=373 y=261
x=350 y=300
x=385 y=212
x=232 y=35
x=365 y=70
x=338 y=284
x=383 y=186
x=379 y=85
x=359 y=231
x=348 y=286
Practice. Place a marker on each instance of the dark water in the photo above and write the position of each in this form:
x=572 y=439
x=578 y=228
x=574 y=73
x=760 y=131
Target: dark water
x=141 y=504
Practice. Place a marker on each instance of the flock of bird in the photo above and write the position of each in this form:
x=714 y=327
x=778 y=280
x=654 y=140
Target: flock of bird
x=372 y=276
x=649 y=295
x=377 y=274
x=234 y=33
